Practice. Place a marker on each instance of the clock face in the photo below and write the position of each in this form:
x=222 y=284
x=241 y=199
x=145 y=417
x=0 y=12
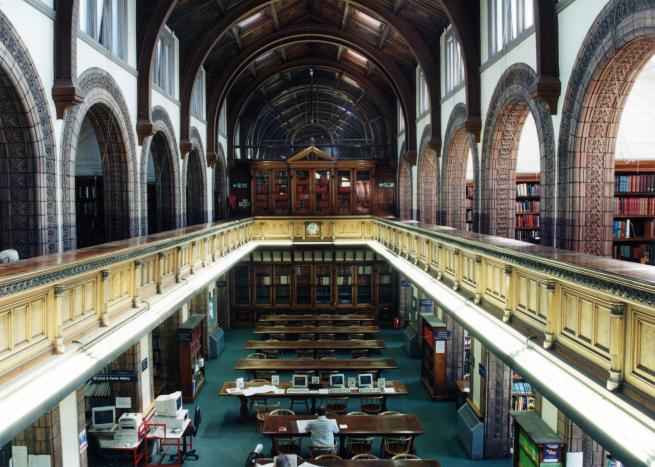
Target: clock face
x=313 y=228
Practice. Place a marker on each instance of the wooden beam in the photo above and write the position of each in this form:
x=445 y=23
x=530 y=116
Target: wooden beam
x=384 y=36
x=221 y=5
x=276 y=20
x=399 y=5
x=346 y=14
x=339 y=52
x=547 y=86
x=235 y=34
x=65 y=91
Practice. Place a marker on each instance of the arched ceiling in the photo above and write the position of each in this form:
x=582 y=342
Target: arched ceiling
x=353 y=60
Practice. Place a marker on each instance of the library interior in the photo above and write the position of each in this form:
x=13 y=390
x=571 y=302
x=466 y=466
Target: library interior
x=322 y=233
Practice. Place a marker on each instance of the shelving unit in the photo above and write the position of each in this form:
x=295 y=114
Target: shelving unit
x=522 y=394
x=322 y=184
x=535 y=444
x=281 y=191
x=190 y=349
x=262 y=192
x=433 y=358
x=634 y=211
x=344 y=184
x=469 y=205
x=528 y=222
x=302 y=192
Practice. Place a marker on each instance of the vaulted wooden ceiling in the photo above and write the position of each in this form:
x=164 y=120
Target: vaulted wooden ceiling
x=361 y=60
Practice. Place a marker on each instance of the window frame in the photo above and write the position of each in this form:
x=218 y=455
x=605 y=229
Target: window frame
x=165 y=41
x=198 y=96
x=110 y=30
x=503 y=30
x=423 y=95
x=454 y=66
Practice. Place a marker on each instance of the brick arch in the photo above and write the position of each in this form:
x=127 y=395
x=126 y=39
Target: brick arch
x=509 y=107
x=105 y=106
x=615 y=50
x=196 y=182
x=457 y=143
x=220 y=184
x=428 y=178
x=166 y=158
x=28 y=209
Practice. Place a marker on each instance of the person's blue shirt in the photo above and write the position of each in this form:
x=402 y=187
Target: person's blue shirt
x=322 y=431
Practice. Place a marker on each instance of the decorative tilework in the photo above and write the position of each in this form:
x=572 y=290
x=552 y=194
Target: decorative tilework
x=428 y=169
x=196 y=182
x=28 y=210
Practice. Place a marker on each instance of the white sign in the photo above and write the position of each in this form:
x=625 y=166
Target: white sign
x=439 y=346
x=83 y=441
x=240 y=383
x=123 y=403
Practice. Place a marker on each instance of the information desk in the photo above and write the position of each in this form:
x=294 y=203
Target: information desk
x=312 y=364
x=168 y=439
x=349 y=425
x=315 y=317
x=392 y=388
x=354 y=344
x=316 y=329
x=366 y=463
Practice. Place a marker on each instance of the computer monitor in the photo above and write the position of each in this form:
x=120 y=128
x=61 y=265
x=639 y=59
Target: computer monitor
x=299 y=381
x=337 y=380
x=365 y=380
x=169 y=405
x=103 y=417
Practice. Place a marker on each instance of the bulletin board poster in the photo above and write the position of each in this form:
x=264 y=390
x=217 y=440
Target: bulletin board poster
x=551 y=455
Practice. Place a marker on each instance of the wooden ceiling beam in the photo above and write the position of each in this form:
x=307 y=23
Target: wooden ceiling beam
x=346 y=14
x=399 y=5
x=235 y=35
x=383 y=36
x=221 y=5
x=65 y=89
x=547 y=87
x=276 y=20
x=339 y=53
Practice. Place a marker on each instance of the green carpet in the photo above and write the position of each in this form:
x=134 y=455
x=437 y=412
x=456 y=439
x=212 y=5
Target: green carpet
x=224 y=442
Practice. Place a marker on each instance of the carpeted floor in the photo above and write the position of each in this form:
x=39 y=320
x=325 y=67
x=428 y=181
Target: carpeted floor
x=224 y=442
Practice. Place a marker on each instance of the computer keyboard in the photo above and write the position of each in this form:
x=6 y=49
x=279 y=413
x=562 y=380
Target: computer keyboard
x=338 y=390
x=297 y=390
x=369 y=390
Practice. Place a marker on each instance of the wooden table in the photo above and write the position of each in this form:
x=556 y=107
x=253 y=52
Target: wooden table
x=358 y=425
x=354 y=344
x=314 y=317
x=371 y=463
x=399 y=390
x=316 y=364
x=316 y=329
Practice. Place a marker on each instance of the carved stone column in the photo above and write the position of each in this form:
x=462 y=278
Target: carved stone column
x=496 y=408
x=551 y=317
x=617 y=339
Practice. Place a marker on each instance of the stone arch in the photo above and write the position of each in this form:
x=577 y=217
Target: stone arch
x=168 y=184
x=509 y=107
x=428 y=178
x=196 y=181
x=457 y=143
x=613 y=53
x=220 y=184
x=105 y=106
x=28 y=209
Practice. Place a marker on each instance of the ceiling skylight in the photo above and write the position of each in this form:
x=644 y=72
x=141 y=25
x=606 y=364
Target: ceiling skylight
x=368 y=19
x=356 y=56
x=250 y=19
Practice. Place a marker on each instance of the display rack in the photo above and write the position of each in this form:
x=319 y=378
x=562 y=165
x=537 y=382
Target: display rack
x=528 y=221
x=633 y=232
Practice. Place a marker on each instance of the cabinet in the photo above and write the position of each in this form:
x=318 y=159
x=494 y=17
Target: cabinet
x=535 y=444
x=633 y=234
x=528 y=221
x=190 y=349
x=433 y=357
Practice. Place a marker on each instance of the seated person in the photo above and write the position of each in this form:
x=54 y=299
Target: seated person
x=322 y=429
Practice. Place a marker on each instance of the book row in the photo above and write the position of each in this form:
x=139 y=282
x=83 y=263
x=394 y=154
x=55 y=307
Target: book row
x=643 y=183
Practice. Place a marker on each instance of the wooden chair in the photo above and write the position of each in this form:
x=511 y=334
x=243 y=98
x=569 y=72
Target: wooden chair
x=265 y=374
x=365 y=457
x=282 y=412
x=356 y=336
x=316 y=451
x=271 y=354
x=328 y=457
x=394 y=445
x=326 y=337
x=356 y=445
x=262 y=409
x=371 y=405
x=356 y=413
x=390 y=412
x=405 y=457
x=336 y=405
x=306 y=337
x=256 y=356
x=251 y=402
x=286 y=445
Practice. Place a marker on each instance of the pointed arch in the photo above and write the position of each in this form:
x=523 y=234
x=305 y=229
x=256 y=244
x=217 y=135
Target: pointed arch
x=196 y=181
x=220 y=185
x=428 y=178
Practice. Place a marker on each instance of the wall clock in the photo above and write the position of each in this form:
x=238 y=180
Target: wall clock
x=312 y=228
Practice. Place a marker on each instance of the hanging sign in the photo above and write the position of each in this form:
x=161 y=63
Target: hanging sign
x=405 y=284
x=442 y=335
x=424 y=302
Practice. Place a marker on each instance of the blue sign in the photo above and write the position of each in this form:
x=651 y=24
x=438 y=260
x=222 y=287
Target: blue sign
x=221 y=284
x=144 y=364
x=482 y=370
x=424 y=302
x=405 y=284
x=442 y=335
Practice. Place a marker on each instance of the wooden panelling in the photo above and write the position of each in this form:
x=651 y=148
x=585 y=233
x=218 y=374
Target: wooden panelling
x=494 y=287
x=640 y=364
x=531 y=299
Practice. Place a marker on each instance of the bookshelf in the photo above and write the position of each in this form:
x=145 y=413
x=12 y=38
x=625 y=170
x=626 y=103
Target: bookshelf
x=190 y=350
x=322 y=203
x=302 y=191
x=522 y=394
x=469 y=205
x=262 y=191
x=633 y=232
x=89 y=206
x=363 y=192
x=534 y=443
x=433 y=357
x=280 y=191
x=344 y=181
x=528 y=220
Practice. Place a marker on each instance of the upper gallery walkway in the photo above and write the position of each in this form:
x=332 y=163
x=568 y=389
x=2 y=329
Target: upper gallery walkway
x=580 y=328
